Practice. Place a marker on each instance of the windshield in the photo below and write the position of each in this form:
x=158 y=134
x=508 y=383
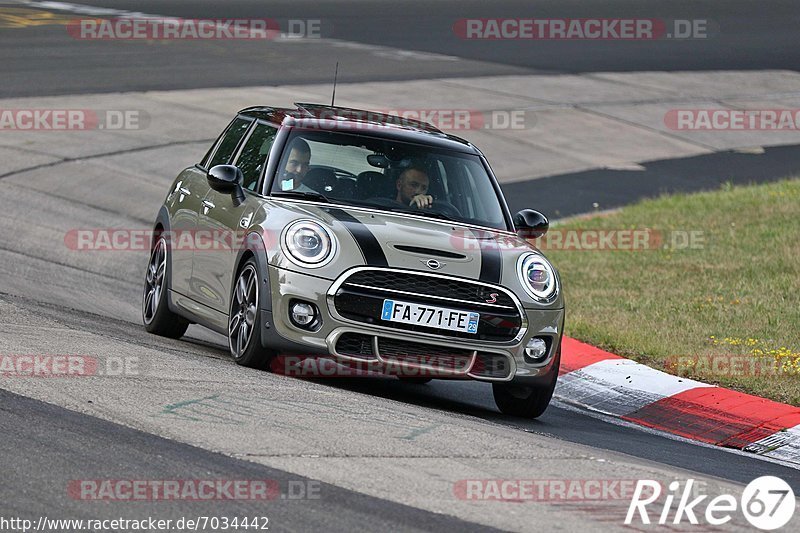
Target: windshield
x=385 y=174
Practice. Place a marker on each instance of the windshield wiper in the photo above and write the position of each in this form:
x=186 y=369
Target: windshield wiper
x=303 y=194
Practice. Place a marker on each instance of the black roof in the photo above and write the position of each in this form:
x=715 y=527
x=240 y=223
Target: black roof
x=355 y=120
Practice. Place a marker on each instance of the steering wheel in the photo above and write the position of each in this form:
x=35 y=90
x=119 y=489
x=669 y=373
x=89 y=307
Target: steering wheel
x=445 y=208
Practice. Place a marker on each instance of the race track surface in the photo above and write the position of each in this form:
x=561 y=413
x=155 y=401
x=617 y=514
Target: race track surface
x=383 y=454
x=416 y=40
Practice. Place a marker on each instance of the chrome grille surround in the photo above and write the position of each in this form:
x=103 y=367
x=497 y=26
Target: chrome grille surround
x=513 y=302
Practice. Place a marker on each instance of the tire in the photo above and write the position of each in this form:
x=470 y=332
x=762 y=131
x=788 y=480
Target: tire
x=527 y=401
x=244 y=320
x=522 y=400
x=156 y=315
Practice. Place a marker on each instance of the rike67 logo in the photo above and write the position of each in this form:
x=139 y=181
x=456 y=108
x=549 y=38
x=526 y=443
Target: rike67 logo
x=768 y=503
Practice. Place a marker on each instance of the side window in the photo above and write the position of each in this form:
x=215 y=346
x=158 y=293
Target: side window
x=229 y=142
x=254 y=154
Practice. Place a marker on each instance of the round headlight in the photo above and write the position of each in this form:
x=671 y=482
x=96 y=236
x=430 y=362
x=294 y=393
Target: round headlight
x=308 y=243
x=537 y=276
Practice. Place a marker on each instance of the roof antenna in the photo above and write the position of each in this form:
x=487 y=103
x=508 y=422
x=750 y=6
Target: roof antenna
x=335 y=75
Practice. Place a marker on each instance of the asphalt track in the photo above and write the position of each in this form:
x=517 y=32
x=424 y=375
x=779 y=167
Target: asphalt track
x=605 y=189
x=47 y=446
x=42 y=59
x=55 y=303
x=96 y=448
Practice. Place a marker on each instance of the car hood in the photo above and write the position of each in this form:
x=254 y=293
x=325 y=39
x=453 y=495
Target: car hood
x=368 y=237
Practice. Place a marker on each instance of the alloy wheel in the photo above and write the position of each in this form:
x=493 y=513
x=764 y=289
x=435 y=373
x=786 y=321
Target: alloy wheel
x=154 y=280
x=244 y=306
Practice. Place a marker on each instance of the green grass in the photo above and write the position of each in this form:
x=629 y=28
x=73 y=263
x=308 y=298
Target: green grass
x=737 y=295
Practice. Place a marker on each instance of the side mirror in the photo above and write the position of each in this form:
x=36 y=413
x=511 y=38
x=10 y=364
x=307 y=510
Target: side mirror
x=225 y=178
x=531 y=224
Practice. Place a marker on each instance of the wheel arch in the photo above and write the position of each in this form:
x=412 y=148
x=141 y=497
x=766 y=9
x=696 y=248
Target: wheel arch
x=253 y=248
x=161 y=226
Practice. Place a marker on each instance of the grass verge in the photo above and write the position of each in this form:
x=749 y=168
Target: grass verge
x=720 y=305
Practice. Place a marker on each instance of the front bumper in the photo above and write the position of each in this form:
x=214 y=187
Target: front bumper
x=472 y=357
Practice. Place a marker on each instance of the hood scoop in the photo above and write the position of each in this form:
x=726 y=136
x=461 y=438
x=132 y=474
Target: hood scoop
x=429 y=251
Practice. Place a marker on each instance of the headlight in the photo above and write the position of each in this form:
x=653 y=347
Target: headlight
x=308 y=244
x=537 y=276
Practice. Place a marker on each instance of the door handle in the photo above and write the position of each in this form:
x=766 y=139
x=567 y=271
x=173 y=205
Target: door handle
x=181 y=189
x=207 y=206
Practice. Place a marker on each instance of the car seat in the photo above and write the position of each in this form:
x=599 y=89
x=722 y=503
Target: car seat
x=322 y=180
x=371 y=184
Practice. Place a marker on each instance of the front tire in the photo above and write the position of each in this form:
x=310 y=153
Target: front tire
x=156 y=315
x=527 y=401
x=244 y=320
x=522 y=400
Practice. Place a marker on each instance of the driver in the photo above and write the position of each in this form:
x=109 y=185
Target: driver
x=412 y=186
x=297 y=167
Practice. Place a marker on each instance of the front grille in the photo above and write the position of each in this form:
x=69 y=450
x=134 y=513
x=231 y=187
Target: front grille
x=491 y=365
x=431 y=286
x=355 y=345
x=360 y=298
x=414 y=353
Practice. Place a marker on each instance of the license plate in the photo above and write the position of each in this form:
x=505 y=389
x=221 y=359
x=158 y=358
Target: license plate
x=430 y=316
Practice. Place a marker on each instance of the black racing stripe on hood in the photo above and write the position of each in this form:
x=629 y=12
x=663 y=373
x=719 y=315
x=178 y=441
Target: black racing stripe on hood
x=370 y=247
x=491 y=259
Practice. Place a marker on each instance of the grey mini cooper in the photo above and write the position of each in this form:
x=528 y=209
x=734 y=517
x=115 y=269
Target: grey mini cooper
x=364 y=239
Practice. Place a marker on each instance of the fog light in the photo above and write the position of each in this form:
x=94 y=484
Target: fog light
x=536 y=349
x=303 y=314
